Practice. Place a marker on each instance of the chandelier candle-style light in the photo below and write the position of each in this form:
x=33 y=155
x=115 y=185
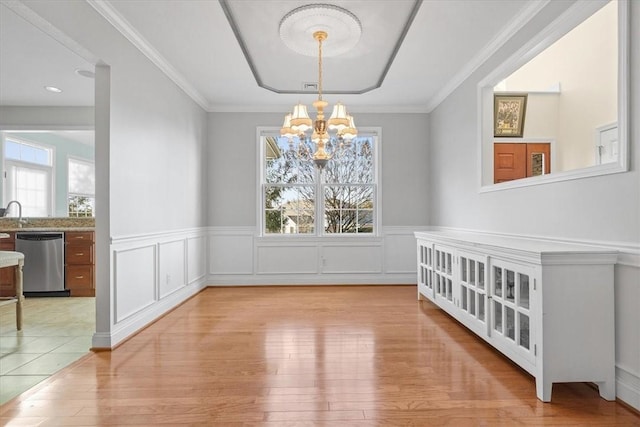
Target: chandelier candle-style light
x=299 y=123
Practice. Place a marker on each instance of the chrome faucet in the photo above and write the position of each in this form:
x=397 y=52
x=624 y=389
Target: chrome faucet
x=20 y=220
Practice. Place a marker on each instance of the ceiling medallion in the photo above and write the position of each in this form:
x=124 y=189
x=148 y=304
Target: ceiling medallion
x=298 y=26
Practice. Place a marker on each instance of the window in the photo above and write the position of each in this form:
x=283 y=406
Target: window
x=81 y=195
x=299 y=199
x=28 y=176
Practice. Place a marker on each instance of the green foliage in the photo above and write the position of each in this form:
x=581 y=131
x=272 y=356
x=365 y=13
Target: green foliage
x=80 y=206
x=273 y=217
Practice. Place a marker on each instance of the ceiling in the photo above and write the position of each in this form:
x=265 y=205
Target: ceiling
x=427 y=50
x=30 y=59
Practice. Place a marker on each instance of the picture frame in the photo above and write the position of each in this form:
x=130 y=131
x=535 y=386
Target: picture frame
x=509 y=113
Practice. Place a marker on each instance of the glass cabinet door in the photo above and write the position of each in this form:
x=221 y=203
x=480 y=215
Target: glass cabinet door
x=511 y=296
x=425 y=269
x=473 y=295
x=443 y=273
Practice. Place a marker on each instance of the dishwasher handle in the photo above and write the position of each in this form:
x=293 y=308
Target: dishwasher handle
x=39 y=236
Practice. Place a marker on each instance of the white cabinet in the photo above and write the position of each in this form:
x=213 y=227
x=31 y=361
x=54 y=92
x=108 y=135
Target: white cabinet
x=548 y=306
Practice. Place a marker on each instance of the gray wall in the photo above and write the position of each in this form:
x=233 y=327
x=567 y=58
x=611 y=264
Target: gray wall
x=150 y=177
x=157 y=133
x=233 y=166
x=602 y=209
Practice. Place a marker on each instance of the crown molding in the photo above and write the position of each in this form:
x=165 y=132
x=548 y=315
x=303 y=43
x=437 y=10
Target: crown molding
x=104 y=8
x=492 y=47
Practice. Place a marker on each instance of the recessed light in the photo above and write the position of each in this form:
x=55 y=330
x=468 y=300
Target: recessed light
x=85 y=73
x=53 y=89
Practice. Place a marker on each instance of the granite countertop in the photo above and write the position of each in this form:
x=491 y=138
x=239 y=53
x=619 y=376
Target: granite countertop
x=36 y=229
x=47 y=224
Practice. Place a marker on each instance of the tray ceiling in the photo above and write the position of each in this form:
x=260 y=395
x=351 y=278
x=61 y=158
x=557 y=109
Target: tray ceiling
x=417 y=53
x=278 y=68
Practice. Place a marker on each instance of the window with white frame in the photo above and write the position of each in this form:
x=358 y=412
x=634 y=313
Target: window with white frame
x=28 y=173
x=81 y=192
x=298 y=198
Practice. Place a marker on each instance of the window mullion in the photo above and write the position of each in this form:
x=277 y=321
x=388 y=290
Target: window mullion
x=319 y=220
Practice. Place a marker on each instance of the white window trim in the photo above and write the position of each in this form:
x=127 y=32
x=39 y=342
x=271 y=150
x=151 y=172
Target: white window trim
x=319 y=231
x=51 y=169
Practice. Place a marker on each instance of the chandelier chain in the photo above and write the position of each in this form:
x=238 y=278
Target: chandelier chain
x=320 y=68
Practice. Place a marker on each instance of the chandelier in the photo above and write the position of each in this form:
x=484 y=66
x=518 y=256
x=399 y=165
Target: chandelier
x=298 y=123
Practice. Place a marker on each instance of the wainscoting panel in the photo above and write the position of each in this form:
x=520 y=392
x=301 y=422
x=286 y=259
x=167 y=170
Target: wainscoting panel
x=351 y=259
x=172 y=271
x=196 y=259
x=290 y=259
x=399 y=250
x=231 y=253
x=135 y=279
x=309 y=260
x=149 y=275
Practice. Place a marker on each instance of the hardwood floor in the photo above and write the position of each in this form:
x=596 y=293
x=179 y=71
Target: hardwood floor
x=305 y=356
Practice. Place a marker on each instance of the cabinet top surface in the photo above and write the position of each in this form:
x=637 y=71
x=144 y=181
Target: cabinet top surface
x=530 y=245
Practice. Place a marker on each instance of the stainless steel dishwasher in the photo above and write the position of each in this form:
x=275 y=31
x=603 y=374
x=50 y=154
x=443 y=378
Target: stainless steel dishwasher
x=43 y=262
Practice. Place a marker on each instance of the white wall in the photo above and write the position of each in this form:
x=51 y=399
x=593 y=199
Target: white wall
x=239 y=255
x=150 y=153
x=604 y=209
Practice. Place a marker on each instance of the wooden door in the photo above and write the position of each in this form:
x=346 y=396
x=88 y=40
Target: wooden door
x=520 y=160
x=509 y=162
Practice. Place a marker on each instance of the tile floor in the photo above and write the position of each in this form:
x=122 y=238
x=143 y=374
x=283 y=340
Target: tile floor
x=55 y=333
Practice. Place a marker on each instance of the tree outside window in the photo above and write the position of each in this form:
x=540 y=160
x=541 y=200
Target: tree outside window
x=295 y=193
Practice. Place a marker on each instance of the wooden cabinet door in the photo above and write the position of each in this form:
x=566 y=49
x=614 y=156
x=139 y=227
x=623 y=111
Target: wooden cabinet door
x=8 y=274
x=79 y=263
x=79 y=253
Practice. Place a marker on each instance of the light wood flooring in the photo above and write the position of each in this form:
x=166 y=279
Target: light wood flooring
x=305 y=356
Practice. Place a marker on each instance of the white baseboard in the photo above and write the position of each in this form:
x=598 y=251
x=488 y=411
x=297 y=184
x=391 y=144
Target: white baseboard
x=101 y=340
x=150 y=275
x=628 y=387
x=139 y=320
x=313 y=279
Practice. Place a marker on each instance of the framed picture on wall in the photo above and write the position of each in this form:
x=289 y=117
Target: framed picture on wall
x=509 y=112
